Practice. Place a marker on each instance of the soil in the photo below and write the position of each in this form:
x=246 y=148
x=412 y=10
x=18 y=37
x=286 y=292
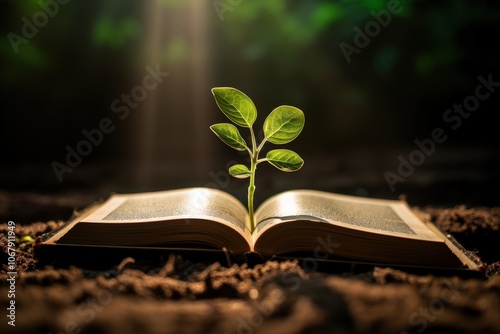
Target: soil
x=183 y=296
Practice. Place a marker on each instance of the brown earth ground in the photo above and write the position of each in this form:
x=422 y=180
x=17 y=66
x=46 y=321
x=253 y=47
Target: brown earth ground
x=181 y=296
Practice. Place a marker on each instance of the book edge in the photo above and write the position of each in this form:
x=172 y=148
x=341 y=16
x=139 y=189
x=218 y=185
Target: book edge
x=468 y=259
x=54 y=236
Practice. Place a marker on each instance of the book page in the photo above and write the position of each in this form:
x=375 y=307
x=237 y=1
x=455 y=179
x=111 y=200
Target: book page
x=374 y=215
x=191 y=203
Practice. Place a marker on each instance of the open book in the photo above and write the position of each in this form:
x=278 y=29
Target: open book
x=321 y=224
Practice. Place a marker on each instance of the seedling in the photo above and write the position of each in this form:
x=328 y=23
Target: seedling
x=282 y=126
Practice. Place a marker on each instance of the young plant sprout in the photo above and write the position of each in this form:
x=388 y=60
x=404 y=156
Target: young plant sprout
x=282 y=126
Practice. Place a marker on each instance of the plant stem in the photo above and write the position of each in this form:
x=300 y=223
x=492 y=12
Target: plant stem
x=251 y=191
x=251 y=188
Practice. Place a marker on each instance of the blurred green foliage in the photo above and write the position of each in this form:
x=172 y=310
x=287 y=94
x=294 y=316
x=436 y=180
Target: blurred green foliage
x=279 y=29
x=429 y=52
x=115 y=34
x=176 y=51
x=279 y=50
x=295 y=25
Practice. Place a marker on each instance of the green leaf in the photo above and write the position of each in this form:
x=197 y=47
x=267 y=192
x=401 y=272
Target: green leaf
x=285 y=160
x=238 y=107
x=283 y=124
x=239 y=171
x=230 y=135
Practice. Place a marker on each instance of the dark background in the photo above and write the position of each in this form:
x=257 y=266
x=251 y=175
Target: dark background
x=360 y=116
